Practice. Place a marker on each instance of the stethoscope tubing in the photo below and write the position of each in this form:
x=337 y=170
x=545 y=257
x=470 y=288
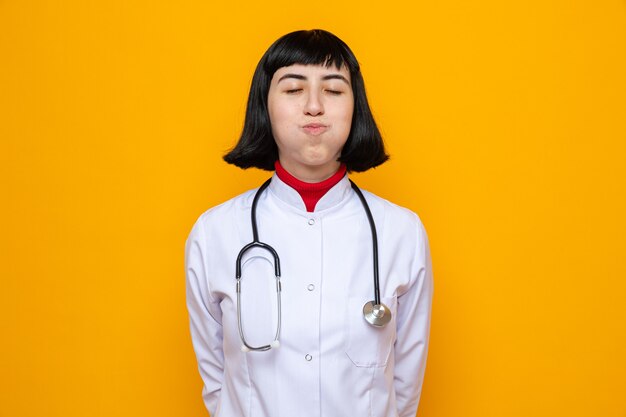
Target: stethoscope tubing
x=370 y=219
x=374 y=312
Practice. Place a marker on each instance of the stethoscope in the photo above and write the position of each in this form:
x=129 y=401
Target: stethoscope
x=375 y=313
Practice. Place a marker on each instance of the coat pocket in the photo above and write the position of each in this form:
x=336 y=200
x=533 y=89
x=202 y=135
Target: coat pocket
x=369 y=346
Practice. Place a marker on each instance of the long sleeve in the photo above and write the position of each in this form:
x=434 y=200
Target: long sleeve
x=204 y=317
x=413 y=327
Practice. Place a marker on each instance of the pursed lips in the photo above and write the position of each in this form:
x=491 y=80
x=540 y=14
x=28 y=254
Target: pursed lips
x=315 y=128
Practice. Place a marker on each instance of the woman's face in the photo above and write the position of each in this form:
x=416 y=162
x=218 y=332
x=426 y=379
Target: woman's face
x=310 y=109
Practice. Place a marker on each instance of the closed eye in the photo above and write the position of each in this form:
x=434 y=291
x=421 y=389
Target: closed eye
x=293 y=91
x=334 y=92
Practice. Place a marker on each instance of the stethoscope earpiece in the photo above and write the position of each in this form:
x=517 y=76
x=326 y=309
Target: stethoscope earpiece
x=376 y=314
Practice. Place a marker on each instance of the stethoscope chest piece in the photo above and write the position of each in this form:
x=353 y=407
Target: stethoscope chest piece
x=376 y=314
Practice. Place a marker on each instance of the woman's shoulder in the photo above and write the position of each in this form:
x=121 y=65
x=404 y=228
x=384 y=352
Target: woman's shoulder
x=402 y=226
x=397 y=215
x=225 y=213
x=398 y=223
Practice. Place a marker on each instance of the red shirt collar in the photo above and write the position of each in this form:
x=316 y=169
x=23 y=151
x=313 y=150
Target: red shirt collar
x=311 y=192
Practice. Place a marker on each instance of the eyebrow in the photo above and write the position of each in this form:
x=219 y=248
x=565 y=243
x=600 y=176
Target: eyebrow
x=324 y=78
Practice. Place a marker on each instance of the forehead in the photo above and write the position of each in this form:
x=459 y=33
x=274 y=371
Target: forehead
x=311 y=71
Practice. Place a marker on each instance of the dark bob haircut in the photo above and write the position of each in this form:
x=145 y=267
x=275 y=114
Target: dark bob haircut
x=364 y=148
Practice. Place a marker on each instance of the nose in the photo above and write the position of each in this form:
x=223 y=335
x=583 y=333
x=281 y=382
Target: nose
x=313 y=105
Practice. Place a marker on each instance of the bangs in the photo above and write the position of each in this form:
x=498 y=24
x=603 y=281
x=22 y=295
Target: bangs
x=310 y=47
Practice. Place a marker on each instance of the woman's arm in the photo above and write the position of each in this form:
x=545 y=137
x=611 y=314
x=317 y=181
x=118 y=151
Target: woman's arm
x=413 y=326
x=205 y=318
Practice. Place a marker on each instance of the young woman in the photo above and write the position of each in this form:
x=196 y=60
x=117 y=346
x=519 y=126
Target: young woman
x=308 y=297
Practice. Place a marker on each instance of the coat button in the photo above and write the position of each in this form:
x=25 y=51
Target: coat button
x=310 y=287
x=311 y=222
x=308 y=357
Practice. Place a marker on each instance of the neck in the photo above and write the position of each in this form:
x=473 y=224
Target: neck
x=311 y=192
x=311 y=174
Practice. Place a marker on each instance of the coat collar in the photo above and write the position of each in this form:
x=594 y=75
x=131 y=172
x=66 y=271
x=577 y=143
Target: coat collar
x=335 y=196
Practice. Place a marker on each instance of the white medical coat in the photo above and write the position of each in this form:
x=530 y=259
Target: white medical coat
x=330 y=362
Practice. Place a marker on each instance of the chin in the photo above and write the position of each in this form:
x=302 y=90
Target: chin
x=316 y=163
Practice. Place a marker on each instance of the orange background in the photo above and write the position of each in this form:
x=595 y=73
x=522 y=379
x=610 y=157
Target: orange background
x=506 y=122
